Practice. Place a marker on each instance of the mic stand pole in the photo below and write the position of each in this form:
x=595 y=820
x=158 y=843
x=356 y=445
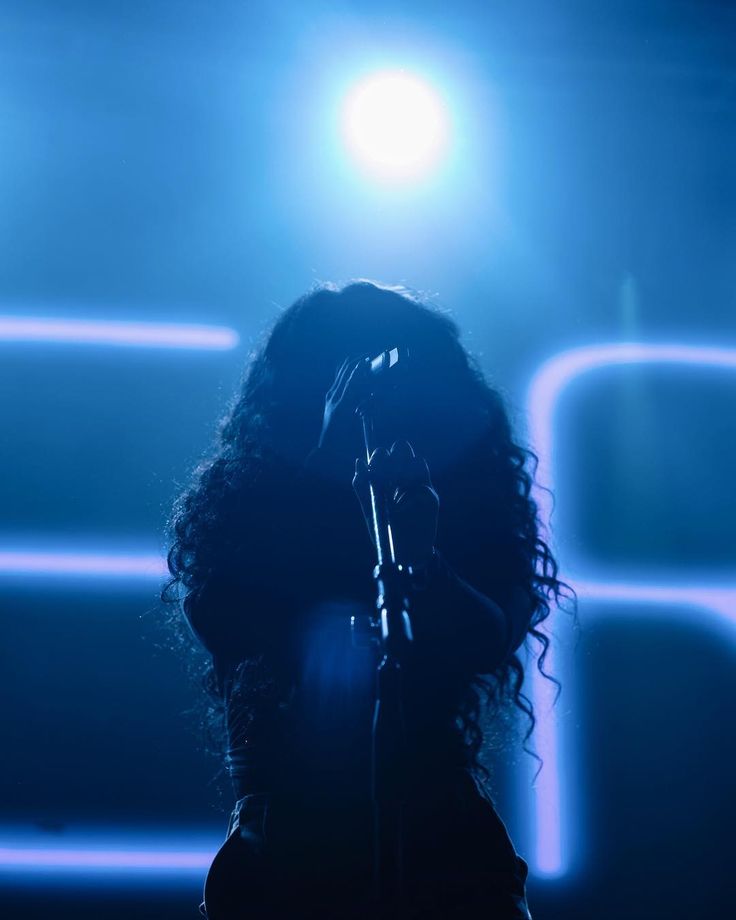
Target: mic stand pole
x=392 y=632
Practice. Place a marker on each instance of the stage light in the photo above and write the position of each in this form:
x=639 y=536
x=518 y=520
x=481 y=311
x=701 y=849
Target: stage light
x=554 y=812
x=395 y=124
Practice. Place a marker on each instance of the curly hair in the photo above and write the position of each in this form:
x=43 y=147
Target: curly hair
x=246 y=519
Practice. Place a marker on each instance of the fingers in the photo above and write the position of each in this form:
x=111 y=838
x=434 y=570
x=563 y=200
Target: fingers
x=353 y=380
x=361 y=479
x=412 y=484
x=376 y=471
x=413 y=502
x=407 y=469
x=361 y=488
x=410 y=469
x=339 y=382
x=398 y=467
x=345 y=373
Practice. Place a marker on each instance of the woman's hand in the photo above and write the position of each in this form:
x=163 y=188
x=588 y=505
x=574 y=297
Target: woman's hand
x=349 y=387
x=340 y=425
x=413 y=503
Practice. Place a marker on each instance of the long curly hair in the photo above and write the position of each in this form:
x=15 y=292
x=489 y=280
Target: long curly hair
x=247 y=528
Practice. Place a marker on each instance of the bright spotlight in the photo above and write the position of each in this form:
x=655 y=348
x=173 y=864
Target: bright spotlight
x=395 y=124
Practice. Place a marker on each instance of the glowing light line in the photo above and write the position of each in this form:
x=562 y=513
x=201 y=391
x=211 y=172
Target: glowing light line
x=36 y=330
x=556 y=374
x=99 y=852
x=140 y=860
x=716 y=600
x=545 y=390
x=118 y=333
x=109 y=565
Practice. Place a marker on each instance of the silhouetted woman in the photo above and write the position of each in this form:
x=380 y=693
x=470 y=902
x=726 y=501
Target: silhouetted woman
x=271 y=556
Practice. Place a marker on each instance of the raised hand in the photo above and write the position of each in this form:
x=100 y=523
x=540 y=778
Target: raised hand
x=413 y=503
x=348 y=389
x=340 y=424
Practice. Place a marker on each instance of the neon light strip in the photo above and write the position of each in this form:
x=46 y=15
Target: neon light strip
x=112 y=332
x=138 y=860
x=721 y=601
x=26 y=850
x=556 y=374
x=551 y=819
x=102 y=332
x=109 y=565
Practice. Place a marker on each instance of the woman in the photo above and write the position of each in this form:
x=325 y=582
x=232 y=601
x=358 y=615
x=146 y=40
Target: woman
x=270 y=559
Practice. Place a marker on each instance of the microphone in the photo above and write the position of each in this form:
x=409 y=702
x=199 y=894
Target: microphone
x=382 y=366
x=384 y=372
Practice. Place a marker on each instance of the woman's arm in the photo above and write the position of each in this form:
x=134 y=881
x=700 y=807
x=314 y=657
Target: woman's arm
x=480 y=633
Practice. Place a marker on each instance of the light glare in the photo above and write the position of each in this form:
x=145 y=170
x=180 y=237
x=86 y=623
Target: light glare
x=395 y=124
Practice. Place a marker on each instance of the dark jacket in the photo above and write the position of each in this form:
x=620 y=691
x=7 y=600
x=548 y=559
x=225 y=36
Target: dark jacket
x=299 y=712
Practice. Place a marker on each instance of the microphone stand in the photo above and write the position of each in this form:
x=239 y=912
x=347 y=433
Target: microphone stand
x=391 y=631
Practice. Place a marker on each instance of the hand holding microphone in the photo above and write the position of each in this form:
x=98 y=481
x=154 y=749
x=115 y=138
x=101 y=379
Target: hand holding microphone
x=413 y=503
x=357 y=379
x=404 y=478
